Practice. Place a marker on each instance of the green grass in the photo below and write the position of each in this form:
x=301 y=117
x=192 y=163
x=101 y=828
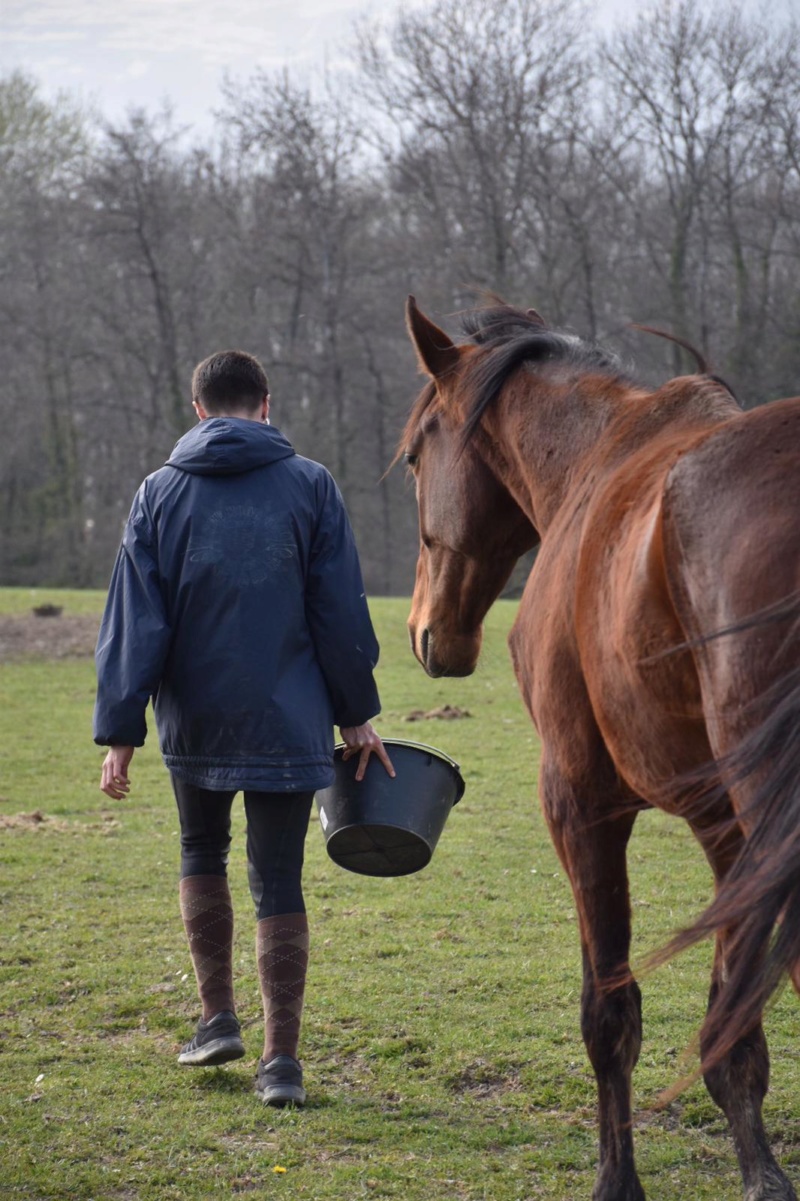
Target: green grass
x=441 y=1041
x=22 y=600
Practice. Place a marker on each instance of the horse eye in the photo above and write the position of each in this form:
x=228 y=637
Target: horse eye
x=412 y=460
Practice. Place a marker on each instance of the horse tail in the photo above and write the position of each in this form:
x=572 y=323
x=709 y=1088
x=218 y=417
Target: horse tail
x=702 y=362
x=758 y=900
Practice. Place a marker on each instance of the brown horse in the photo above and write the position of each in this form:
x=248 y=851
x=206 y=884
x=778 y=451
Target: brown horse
x=657 y=634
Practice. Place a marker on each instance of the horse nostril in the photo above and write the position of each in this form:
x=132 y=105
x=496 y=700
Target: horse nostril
x=424 y=639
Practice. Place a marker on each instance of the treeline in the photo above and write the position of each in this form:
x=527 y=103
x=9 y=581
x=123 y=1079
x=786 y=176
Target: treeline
x=650 y=173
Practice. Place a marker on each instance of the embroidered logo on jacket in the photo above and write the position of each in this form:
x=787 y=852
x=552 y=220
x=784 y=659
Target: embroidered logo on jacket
x=245 y=545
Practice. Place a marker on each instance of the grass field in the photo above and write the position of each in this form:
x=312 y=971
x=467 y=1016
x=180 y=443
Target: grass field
x=441 y=1043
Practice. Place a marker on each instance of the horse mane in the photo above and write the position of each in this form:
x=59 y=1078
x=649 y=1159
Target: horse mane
x=512 y=337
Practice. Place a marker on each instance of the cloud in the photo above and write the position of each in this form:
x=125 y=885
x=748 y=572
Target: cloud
x=137 y=68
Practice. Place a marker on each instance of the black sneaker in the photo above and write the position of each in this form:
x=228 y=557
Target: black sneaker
x=280 y=1082
x=216 y=1041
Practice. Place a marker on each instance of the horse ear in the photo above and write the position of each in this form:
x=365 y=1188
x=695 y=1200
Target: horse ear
x=537 y=318
x=436 y=353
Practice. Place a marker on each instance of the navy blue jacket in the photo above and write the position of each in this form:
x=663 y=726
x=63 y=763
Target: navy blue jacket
x=237 y=603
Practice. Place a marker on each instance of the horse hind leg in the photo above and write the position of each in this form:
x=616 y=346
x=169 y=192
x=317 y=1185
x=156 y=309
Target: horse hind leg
x=594 y=856
x=738 y=1083
x=611 y=1024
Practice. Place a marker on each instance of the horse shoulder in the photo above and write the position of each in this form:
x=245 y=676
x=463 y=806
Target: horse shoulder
x=546 y=662
x=640 y=676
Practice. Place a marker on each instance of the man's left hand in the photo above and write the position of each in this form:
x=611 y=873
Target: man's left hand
x=364 y=741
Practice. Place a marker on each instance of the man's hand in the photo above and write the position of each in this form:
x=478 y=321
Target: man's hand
x=114 y=780
x=366 y=741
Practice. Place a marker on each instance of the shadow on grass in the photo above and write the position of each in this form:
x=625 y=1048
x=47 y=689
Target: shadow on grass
x=222 y=1082
x=217 y=1080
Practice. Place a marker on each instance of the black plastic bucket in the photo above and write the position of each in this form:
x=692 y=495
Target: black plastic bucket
x=389 y=827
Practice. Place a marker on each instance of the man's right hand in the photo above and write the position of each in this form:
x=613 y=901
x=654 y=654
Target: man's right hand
x=114 y=781
x=366 y=741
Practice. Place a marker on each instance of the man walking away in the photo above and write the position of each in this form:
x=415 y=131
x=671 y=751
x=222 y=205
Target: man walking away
x=237 y=604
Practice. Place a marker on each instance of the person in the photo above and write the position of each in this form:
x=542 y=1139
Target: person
x=236 y=602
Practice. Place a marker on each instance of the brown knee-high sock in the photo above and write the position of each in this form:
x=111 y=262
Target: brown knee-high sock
x=282 y=953
x=207 y=915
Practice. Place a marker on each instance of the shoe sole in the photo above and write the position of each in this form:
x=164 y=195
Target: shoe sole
x=221 y=1050
x=280 y=1095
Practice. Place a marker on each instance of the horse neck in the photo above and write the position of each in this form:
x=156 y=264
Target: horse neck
x=539 y=435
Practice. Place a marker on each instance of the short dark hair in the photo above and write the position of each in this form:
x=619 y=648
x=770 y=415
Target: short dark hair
x=229 y=380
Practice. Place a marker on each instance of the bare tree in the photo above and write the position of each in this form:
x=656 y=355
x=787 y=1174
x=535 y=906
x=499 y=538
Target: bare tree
x=42 y=148
x=488 y=143
x=474 y=96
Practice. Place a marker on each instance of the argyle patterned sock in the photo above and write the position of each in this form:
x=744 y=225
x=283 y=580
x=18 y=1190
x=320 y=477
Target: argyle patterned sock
x=282 y=953
x=208 y=919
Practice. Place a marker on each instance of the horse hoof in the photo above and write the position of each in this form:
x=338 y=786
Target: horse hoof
x=774 y=1187
x=627 y=1188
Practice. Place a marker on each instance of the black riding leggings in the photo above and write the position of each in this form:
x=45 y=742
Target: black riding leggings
x=277 y=823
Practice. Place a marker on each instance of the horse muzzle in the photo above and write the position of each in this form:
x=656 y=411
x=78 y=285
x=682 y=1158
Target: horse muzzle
x=445 y=655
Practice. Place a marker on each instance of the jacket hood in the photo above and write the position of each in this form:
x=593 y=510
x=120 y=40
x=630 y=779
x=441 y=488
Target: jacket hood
x=228 y=446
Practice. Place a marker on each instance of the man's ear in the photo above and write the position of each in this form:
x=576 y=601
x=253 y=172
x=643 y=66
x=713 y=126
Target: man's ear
x=437 y=355
x=265 y=409
x=199 y=410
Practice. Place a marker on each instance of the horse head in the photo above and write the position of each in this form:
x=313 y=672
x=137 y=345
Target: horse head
x=472 y=532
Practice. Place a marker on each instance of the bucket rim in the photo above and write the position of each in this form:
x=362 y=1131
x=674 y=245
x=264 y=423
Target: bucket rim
x=418 y=746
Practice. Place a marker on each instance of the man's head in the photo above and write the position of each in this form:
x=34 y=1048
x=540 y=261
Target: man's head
x=230 y=383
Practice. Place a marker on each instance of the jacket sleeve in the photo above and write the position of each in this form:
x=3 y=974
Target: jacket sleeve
x=338 y=616
x=134 y=637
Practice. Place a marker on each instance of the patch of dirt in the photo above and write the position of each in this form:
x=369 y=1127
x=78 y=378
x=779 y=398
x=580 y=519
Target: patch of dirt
x=57 y=825
x=26 y=636
x=445 y=713
x=480 y=1079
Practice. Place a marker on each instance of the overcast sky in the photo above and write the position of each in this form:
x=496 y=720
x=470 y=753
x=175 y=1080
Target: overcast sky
x=121 y=53
x=136 y=52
